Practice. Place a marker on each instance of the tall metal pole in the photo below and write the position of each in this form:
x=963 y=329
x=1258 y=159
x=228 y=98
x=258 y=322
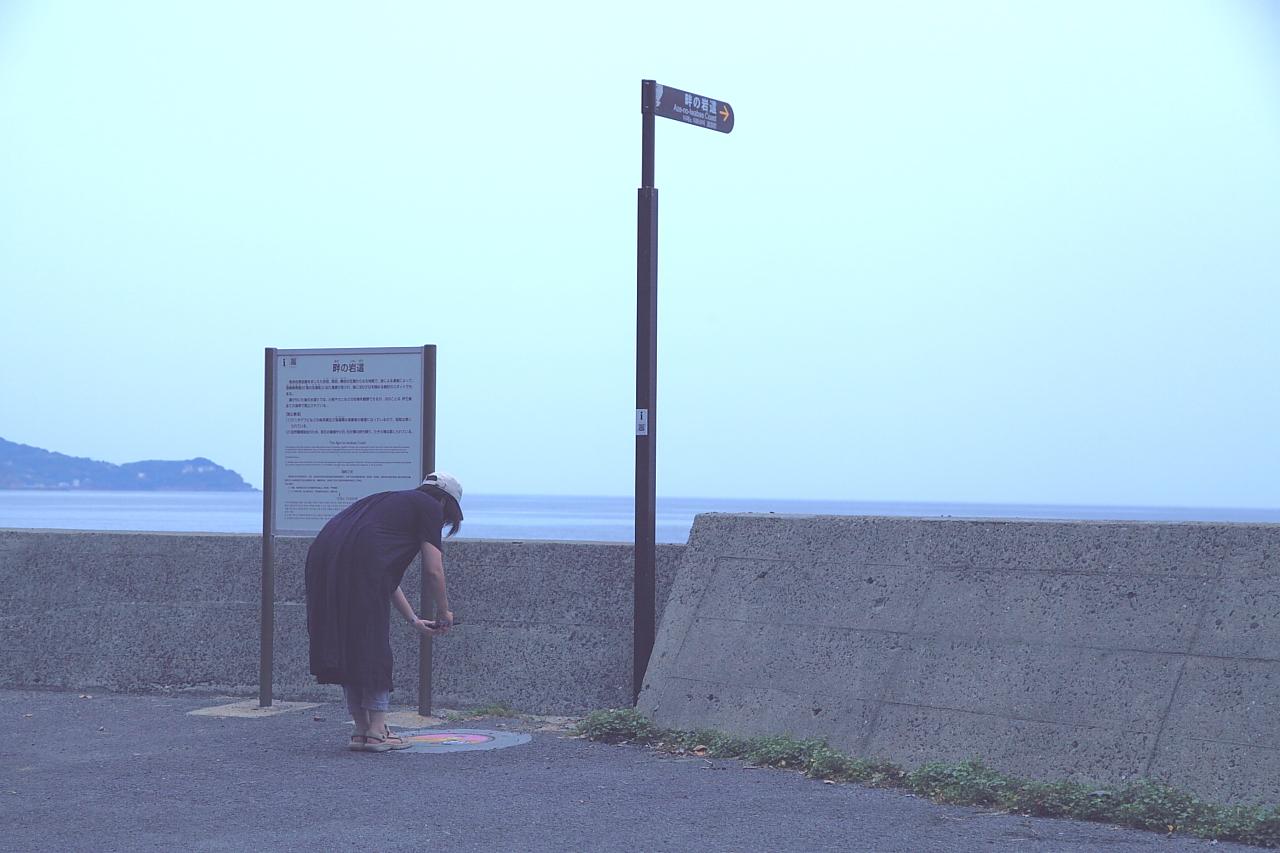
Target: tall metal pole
x=267 y=608
x=644 y=624
x=426 y=602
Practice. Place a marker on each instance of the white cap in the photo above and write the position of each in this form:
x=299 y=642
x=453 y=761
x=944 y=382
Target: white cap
x=446 y=483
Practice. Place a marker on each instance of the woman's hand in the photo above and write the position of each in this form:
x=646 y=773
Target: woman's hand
x=431 y=629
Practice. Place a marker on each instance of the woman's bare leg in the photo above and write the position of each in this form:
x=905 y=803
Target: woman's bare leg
x=375 y=724
x=361 y=718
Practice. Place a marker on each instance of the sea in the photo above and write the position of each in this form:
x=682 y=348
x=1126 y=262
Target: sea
x=601 y=519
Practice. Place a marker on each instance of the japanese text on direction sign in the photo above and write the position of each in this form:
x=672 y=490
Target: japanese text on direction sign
x=689 y=108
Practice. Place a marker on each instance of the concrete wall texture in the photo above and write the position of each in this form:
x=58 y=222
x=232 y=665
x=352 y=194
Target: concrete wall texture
x=547 y=624
x=1094 y=650
x=1099 y=651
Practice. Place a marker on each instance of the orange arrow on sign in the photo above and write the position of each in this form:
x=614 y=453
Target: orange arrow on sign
x=724 y=113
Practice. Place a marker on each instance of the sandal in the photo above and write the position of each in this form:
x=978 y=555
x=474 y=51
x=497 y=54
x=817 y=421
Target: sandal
x=389 y=741
x=395 y=740
x=356 y=743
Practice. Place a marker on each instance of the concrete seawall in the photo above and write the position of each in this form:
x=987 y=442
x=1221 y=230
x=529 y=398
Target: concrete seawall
x=1099 y=651
x=548 y=624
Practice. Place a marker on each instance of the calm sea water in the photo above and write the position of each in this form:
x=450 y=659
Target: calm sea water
x=525 y=516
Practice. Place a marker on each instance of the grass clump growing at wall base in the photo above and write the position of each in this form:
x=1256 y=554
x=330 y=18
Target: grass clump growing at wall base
x=1140 y=804
x=622 y=725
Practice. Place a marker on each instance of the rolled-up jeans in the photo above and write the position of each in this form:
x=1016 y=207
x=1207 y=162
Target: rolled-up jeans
x=365 y=699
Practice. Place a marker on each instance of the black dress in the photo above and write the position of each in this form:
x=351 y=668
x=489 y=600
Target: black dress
x=353 y=568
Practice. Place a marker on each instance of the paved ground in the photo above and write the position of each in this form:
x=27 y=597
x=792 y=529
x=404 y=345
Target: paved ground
x=119 y=772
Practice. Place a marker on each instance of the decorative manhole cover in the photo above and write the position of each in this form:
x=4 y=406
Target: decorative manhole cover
x=459 y=740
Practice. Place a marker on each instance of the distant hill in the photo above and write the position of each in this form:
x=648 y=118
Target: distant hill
x=26 y=467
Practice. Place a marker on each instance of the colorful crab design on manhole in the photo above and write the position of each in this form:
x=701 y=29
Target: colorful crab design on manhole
x=459 y=740
x=451 y=737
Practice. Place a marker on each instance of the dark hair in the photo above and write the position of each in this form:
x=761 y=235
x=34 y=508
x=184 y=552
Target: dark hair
x=448 y=506
x=452 y=514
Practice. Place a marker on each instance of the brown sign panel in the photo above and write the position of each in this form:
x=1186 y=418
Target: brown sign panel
x=689 y=108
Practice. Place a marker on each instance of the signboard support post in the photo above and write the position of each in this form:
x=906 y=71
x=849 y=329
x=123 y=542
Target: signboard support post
x=427 y=604
x=644 y=618
x=267 y=610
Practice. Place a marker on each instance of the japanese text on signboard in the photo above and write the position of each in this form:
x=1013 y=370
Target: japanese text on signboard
x=346 y=427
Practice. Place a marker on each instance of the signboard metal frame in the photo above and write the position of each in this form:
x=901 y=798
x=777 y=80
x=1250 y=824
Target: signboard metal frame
x=426 y=390
x=282 y=524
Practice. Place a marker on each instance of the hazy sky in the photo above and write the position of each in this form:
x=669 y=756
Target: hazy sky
x=952 y=251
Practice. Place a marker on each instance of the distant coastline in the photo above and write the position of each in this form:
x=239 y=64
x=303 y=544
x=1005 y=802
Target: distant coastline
x=23 y=467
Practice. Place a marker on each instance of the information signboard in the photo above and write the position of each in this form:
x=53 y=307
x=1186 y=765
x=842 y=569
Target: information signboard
x=339 y=425
x=346 y=423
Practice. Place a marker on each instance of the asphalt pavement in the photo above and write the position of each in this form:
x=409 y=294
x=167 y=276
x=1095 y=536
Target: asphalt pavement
x=127 y=772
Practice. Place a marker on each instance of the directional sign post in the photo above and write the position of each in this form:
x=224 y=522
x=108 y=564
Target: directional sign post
x=712 y=114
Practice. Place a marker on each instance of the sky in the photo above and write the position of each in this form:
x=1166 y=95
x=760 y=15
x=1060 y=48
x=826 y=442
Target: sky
x=988 y=251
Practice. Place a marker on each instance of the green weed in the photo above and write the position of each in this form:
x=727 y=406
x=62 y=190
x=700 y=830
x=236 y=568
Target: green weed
x=1142 y=804
x=969 y=783
x=618 y=725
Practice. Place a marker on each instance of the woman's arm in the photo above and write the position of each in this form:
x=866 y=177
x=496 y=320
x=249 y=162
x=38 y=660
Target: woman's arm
x=433 y=581
x=402 y=604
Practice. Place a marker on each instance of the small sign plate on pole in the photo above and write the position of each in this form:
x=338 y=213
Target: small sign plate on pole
x=693 y=109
